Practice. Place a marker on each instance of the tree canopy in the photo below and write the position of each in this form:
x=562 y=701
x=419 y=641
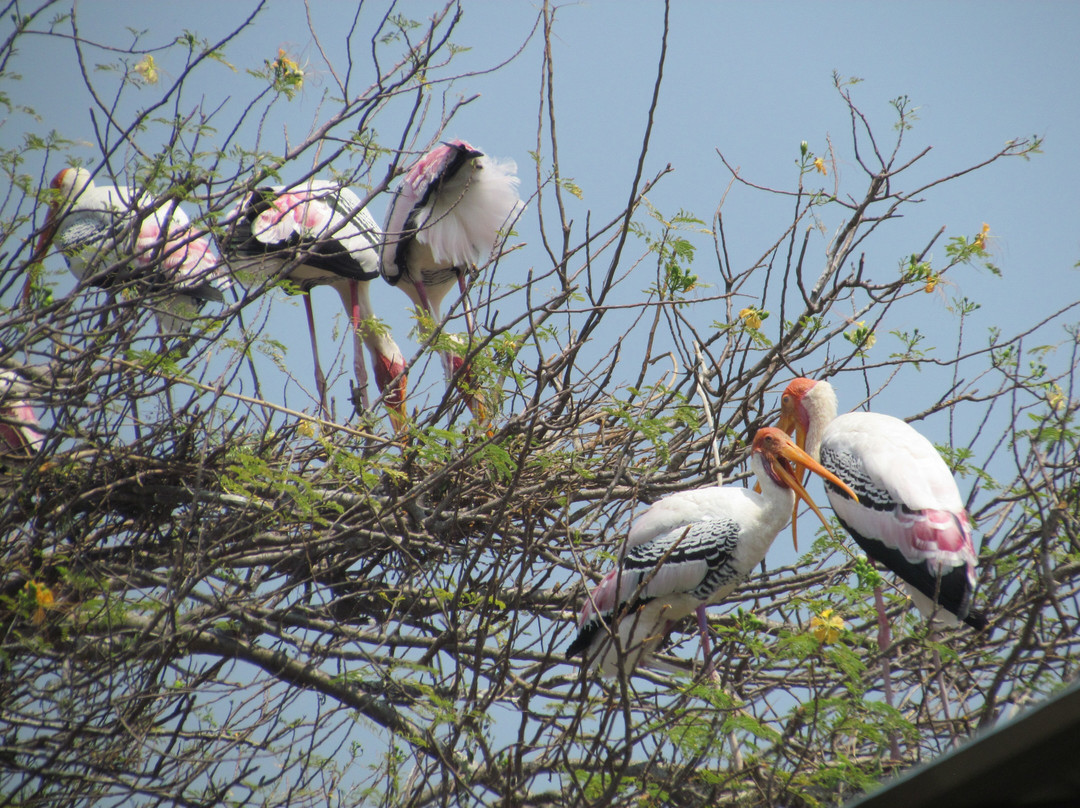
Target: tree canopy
x=211 y=593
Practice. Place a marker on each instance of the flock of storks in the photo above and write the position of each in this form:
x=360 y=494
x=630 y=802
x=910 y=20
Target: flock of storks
x=887 y=485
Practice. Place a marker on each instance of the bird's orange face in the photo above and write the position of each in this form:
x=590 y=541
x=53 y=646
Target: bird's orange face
x=785 y=463
x=793 y=415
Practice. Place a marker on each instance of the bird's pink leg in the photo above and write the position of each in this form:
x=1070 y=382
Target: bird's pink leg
x=320 y=379
x=706 y=646
x=359 y=366
x=469 y=324
x=421 y=292
x=884 y=641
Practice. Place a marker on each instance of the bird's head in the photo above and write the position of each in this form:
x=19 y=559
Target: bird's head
x=391 y=378
x=784 y=463
x=65 y=187
x=794 y=417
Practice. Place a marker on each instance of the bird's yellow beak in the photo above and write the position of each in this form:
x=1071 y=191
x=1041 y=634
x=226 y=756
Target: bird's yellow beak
x=789 y=465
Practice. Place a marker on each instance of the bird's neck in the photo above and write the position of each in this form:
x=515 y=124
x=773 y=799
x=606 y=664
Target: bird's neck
x=777 y=501
x=820 y=406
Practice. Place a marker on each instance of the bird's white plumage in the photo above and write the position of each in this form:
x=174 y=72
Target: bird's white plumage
x=908 y=469
x=909 y=502
x=101 y=228
x=687 y=551
x=318 y=233
x=446 y=215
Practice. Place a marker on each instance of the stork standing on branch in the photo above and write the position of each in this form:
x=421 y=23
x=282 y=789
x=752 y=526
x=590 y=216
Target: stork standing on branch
x=449 y=213
x=316 y=234
x=110 y=235
x=909 y=516
x=689 y=551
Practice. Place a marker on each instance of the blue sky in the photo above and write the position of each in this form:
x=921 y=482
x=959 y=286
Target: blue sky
x=749 y=80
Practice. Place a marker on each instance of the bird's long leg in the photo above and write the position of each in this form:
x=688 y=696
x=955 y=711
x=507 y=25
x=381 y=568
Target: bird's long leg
x=884 y=641
x=706 y=646
x=320 y=379
x=425 y=301
x=359 y=366
x=469 y=323
x=939 y=676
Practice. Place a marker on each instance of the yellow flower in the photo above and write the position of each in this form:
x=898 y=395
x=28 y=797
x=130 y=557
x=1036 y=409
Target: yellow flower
x=147 y=69
x=931 y=284
x=1055 y=397
x=284 y=63
x=819 y=164
x=43 y=598
x=286 y=75
x=306 y=429
x=751 y=318
x=980 y=240
x=827 y=627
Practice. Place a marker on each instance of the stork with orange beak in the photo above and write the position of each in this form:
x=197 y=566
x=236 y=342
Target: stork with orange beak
x=109 y=234
x=909 y=516
x=319 y=234
x=447 y=214
x=688 y=552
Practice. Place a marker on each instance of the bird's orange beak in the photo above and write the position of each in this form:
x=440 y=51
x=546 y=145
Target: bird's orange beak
x=789 y=423
x=48 y=233
x=789 y=465
x=393 y=381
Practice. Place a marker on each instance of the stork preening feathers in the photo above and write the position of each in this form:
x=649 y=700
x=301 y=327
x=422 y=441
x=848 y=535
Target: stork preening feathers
x=909 y=516
x=448 y=213
x=318 y=233
x=110 y=235
x=689 y=551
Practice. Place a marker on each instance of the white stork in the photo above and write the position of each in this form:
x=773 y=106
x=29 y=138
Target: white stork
x=689 y=551
x=909 y=516
x=318 y=233
x=446 y=216
x=110 y=234
x=19 y=434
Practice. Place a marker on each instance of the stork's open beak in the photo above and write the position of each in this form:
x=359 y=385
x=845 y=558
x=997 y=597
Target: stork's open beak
x=789 y=423
x=789 y=465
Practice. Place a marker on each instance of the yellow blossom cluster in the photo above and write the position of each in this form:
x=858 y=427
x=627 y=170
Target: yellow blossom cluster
x=827 y=626
x=751 y=318
x=42 y=598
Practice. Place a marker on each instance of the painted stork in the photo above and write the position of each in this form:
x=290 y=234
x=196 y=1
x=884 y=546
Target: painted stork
x=19 y=428
x=446 y=215
x=318 y=233
x=110 y=234
x=909 y=516
x=689 y=551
